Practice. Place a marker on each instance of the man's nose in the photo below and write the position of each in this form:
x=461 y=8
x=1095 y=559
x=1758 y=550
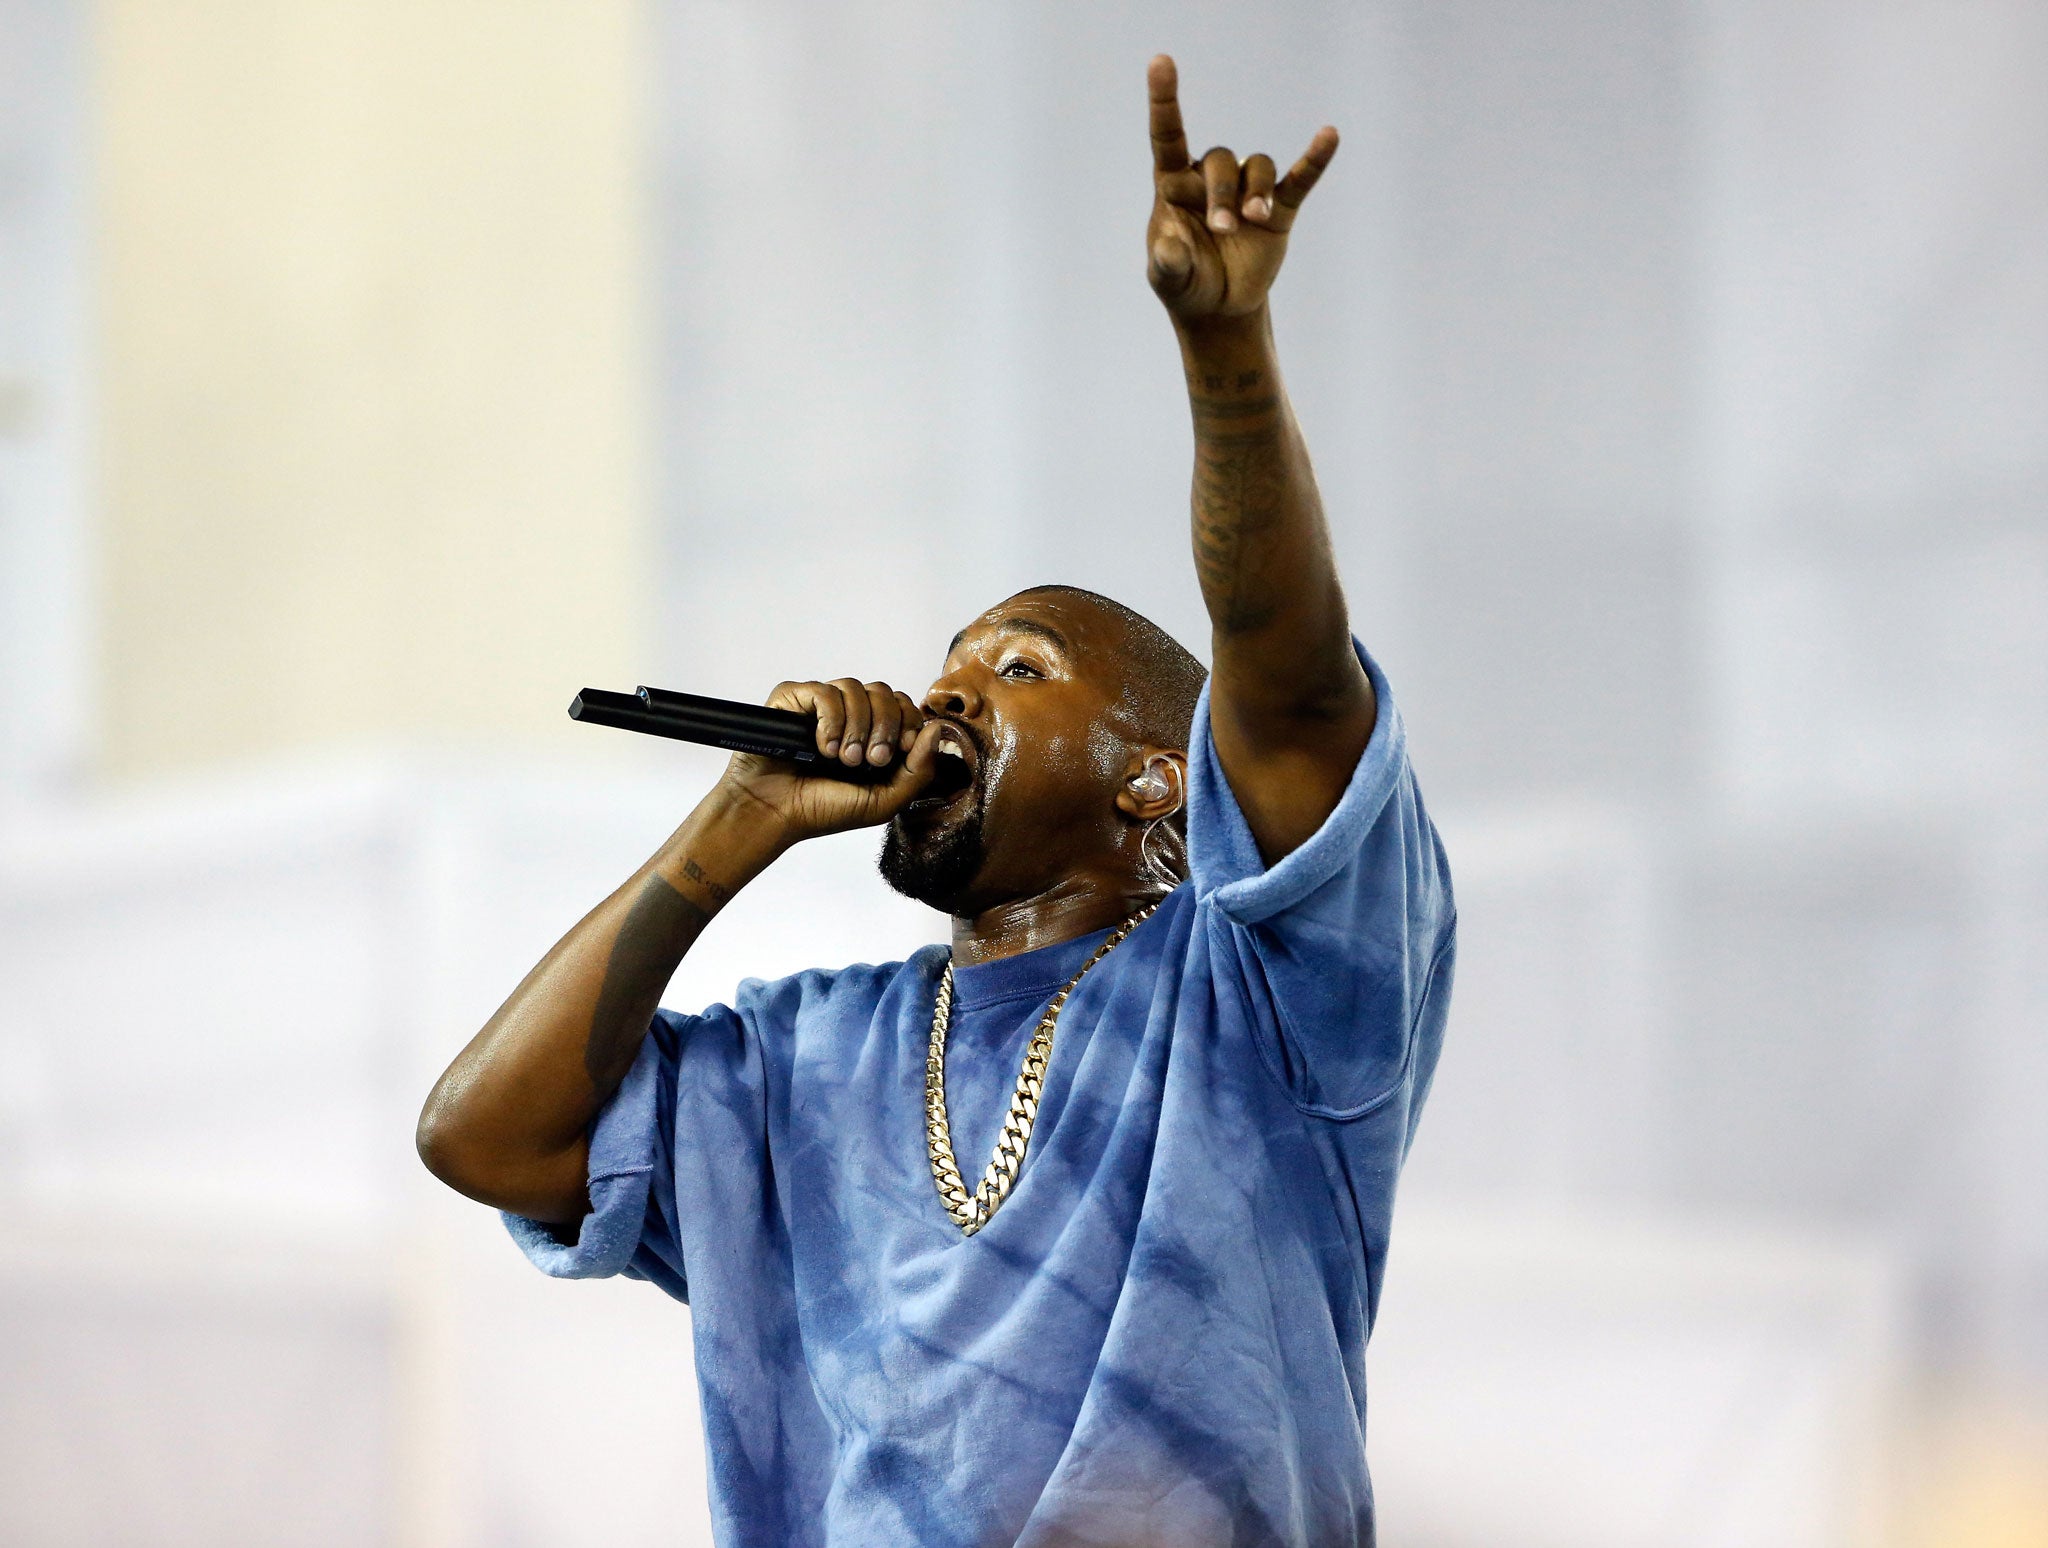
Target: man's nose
x=955 y=699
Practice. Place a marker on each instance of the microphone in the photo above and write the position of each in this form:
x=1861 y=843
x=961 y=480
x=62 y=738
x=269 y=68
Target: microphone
x=724 y=723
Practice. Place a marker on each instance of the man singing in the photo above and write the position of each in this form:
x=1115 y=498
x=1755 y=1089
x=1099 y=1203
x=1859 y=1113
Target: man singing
x=1071 y=1232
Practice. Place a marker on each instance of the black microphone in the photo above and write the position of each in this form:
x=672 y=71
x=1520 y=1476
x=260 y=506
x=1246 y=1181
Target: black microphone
x=723 y=723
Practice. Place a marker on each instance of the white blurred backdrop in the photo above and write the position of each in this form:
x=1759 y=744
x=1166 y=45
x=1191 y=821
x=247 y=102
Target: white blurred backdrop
x=374 y=376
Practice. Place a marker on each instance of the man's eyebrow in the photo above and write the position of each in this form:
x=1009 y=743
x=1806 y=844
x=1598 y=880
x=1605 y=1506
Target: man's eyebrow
x=1044 y=631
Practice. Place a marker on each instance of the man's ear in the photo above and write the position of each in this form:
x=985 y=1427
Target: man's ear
x=1155 y=784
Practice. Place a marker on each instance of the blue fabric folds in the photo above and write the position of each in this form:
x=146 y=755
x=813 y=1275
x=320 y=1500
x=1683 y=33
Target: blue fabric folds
x=1160 y=1338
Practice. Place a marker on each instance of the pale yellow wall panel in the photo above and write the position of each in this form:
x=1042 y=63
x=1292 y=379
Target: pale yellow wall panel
x=375 y=452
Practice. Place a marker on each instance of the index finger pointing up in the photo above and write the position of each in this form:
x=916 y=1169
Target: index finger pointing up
x=1169 y=140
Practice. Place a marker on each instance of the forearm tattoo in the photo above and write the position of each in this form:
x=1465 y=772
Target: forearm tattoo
x=1240 y=490
x=659 y=927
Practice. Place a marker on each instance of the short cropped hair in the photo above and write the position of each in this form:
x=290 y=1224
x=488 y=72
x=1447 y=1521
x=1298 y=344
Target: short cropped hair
x=1162 y=678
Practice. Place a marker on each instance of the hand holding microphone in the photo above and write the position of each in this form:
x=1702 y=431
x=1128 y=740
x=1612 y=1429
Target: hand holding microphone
x=825 y=756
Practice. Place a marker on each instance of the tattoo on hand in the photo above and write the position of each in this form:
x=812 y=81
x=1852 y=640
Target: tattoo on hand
x=658 y=929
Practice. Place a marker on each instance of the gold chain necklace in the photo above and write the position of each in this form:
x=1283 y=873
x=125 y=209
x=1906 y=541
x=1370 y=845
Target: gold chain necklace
x=972 y=1211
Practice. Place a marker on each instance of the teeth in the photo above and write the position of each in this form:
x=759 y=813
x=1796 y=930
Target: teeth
x=951 y=751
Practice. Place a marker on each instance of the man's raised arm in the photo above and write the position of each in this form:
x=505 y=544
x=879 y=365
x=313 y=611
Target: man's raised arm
x=1290 y=707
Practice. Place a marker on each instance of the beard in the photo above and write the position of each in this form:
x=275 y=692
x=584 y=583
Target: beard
x=935 y=866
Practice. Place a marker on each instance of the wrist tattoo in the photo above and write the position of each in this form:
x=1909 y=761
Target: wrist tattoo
x=1208 y=411
x=720 y=894
x=1224 y=381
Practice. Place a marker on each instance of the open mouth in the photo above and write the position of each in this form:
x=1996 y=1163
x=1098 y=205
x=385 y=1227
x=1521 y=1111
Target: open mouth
x=956 y=764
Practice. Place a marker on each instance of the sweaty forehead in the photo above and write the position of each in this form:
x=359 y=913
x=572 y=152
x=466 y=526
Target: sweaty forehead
x=1077 y=625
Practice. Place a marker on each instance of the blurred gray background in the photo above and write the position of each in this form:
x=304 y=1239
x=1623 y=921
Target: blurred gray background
x=374 y=376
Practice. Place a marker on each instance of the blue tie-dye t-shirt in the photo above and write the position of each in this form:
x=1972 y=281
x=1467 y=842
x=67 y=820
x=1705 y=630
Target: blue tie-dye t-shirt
x=1160 y=1337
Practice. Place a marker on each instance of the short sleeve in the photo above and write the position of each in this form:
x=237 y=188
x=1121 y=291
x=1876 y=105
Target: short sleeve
x=632 y=1227
x=1342 y=947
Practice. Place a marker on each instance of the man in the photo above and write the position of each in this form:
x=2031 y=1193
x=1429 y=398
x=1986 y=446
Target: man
x=1073 y=1233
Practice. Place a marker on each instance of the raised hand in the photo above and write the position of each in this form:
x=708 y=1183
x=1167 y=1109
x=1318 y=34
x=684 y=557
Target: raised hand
x=1219 y=226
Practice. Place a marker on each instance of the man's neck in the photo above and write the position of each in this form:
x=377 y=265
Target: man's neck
x=1072 y=907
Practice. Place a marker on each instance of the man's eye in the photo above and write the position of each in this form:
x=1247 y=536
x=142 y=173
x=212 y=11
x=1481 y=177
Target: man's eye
x=1015 y=668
